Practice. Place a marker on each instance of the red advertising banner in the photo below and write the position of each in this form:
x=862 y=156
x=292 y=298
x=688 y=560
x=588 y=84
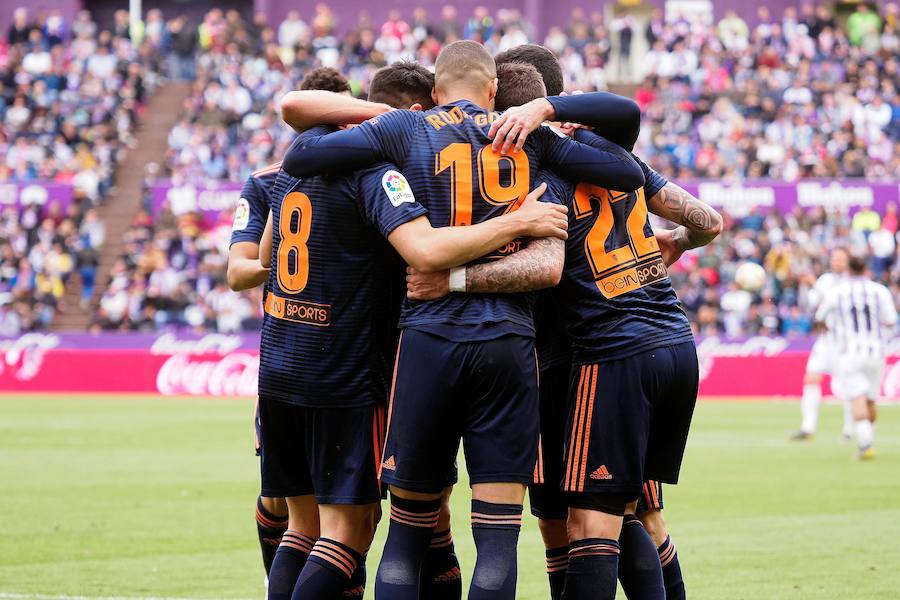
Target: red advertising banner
x=221 y=365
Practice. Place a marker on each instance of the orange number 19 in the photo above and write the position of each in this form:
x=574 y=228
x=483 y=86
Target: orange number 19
x=457 y=158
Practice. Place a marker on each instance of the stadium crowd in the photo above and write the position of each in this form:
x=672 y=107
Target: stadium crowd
x=790 y=97
x=69 y=97
x=784 y=97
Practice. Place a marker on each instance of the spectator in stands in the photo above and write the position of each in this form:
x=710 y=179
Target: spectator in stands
x=183 y=44
x=863 y=27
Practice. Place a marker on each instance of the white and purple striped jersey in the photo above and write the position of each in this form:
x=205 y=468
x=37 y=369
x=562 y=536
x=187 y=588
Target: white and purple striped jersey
x=860 y=315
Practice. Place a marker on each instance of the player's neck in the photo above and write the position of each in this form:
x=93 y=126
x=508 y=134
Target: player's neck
x=481 y=98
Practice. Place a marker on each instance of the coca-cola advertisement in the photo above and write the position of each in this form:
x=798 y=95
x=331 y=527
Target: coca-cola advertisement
x=182 y=364
x=168 y=364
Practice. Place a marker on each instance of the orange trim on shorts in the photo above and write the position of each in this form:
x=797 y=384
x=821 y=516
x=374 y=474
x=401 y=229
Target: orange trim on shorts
x=390 y=409
x=378 y=437
x=589 y=414
x=654 y=493
x=539 y=464
x=574 y=440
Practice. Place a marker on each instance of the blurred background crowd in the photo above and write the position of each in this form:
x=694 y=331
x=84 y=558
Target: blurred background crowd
x=787 y=97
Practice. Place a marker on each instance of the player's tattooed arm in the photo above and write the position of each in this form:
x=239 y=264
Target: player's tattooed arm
x=699 y=222
x=537 y=266
x=307 y=108
x=428 y=249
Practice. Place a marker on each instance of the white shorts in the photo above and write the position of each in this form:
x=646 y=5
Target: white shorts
x=821 y=358
x=854 y=377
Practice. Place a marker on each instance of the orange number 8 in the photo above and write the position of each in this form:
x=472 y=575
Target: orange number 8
x=294 y=241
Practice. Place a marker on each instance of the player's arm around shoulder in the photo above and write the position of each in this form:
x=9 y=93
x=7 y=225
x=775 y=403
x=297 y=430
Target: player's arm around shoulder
x=537 y=266
x=303 y=109
x=430 y=249
x=387 y=137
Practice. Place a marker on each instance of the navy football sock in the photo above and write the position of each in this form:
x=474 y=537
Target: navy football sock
x=411 y=527
x=289 y=561
x=639 y=570
x=269 y=528
x=593 y=563
x=327 y=571
x=671 y=570
x=557 y=563
x=441 y=578
x=495 y=528
x=356 y=587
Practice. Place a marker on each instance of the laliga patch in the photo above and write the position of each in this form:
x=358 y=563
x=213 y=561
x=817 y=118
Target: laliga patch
x=397 y=188
x=241 y=215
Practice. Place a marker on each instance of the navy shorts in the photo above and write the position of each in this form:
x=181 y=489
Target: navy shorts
x=332 y=453
x=629 y=420
x=547 y=501
x=481 y=392
x=651 y=497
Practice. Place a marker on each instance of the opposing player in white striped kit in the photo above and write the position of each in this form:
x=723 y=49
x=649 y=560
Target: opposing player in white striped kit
x=822 y=355
x=861 y=316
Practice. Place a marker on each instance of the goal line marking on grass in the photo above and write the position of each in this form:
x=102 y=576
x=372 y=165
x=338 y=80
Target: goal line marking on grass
x=15 y=596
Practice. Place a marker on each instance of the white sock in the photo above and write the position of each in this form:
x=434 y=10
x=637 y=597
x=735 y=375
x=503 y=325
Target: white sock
x=865 y=435
x=809 y=407
x=848 y=419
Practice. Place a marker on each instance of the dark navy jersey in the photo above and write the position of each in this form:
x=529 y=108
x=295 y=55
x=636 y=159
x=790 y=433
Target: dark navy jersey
x=615 y=296
x=326 y=332
x=253 y=206
x=446 y=154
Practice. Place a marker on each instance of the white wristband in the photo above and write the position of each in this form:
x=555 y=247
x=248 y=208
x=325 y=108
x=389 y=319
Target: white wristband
x=458 y=279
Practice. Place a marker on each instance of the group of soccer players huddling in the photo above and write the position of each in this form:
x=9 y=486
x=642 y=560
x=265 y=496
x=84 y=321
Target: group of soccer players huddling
x=478 y=266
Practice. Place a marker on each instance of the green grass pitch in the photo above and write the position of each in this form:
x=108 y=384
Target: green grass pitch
x=153 y=497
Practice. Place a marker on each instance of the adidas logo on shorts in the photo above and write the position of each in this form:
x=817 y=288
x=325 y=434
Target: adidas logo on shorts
x=601 y=473
x=390 y=464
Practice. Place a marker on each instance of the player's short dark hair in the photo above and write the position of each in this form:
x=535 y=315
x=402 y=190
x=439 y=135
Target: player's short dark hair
x=517 y=83
x=402 y=84
x=541 y=59
x=857 y=264
x=326 y=79
x=465 y=62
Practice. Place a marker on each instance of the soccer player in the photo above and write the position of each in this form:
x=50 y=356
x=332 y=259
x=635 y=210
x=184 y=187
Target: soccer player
x=517 y=83
x=245 y=271
x=466 y=366
x=324 y=352
x=861 y=316
x=630 y=334
x=823 y=354
x=547 y=502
